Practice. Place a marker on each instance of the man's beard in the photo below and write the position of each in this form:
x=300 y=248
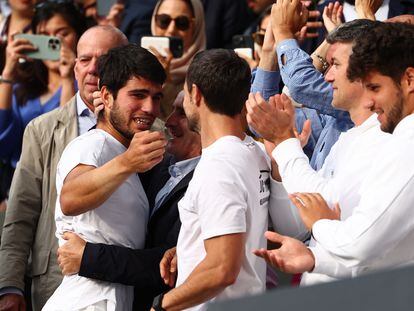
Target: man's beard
x=116 y=119
x=395 y=115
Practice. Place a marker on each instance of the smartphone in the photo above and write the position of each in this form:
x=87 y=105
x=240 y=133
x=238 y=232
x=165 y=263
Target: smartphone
x=104 y=6
x=242 y=41
x=175 y=45
x=48 y=48
x=245 y=51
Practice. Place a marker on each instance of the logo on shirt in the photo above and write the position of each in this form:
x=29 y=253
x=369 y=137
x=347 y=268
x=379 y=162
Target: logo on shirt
x=264 y=186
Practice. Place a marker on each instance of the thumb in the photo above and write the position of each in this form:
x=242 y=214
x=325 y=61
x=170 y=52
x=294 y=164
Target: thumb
x=337 y=211
x=274 y=237
x=67 y=235
x=306 y=132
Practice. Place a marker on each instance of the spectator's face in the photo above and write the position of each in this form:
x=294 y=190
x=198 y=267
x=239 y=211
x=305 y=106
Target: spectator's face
x=57 y=26
x=136 y=106
x=22 y=5
x=190 y=110
x=185 y=144
x=91 y=45
x=171 y=9
x=259 y=6
x=346 y=94
x=385 y=98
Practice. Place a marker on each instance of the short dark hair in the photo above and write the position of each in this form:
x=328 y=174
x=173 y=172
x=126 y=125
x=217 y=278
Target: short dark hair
x=122 y=63
x=388 y=49
x=223 y=79
x=70 y=12
x=349 y=31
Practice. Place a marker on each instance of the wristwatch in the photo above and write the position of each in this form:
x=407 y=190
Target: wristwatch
x=157 y=303
x=3 y=80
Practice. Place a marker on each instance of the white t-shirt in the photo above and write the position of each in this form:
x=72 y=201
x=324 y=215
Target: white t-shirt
x=228 y=194
x=121 y=220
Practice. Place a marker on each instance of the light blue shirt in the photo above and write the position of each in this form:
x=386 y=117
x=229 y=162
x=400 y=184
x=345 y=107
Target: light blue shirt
x=308 y=87
x=177 y=172
x=86 y=117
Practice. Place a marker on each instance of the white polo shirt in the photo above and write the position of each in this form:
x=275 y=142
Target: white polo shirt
x=121 y=220
x=229 y=193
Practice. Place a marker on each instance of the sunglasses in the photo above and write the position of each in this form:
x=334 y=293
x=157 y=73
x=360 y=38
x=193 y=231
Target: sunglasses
x=258 y=37
x=182 y=22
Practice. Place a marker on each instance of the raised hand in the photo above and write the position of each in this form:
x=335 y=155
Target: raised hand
x=332 y=16
x=287 y=18
x=14 y=51
x=367 y=8
x=312 y=207
x=292 y=257
x=145 y=151
x=66 y=61
x=114 y=17
x=275 y=120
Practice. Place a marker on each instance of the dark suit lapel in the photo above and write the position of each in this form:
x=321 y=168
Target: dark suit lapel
x=181 y=185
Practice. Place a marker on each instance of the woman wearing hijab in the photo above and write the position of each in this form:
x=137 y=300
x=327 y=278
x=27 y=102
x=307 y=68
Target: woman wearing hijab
x=183 y=19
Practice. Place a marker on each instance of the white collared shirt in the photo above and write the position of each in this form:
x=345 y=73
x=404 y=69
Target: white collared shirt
x=86 y=117
x=380 y=232
x=339 y=180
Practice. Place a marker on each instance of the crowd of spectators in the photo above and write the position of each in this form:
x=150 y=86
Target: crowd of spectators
x=279 y=136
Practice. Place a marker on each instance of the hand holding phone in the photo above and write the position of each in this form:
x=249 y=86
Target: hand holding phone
x=46 y=47
x=174 y=44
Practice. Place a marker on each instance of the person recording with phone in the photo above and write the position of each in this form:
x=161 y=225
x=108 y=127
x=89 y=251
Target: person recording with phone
x=47 y=84
x=183 y=19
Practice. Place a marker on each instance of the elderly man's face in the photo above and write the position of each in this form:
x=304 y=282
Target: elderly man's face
x=91 y=45
x=185 y=143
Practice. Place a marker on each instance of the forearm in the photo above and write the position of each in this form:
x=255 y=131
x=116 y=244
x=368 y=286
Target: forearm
x=320 y=51
x=116 y=264
x=205 y=282
x=68 y=90
x=306 y=85
x=6 y=93
x=92 y=188
x=284 y=215
x=296 y=172
x=22 y=213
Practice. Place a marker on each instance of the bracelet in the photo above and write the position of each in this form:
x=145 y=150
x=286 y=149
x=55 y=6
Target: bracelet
x=3 y=80
x=325 y=64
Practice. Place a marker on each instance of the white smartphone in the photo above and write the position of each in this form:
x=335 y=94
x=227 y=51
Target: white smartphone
x=245 y=51
x=161 y=43
x=47 y=47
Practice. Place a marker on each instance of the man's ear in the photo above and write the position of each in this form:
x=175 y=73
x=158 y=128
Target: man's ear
x=107 y=98
x=196 y=94
x=409 y=79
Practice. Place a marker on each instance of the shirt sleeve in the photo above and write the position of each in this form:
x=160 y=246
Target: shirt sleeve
x=283 y=214
x=222 y=205
x=11 y=131
x=306 y=85
x=380 y=230
x=266 y=83
x=297 y=174
x=79 y=151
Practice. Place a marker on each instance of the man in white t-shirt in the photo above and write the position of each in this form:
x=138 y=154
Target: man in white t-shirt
x=100 y=196
x=224 y=211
